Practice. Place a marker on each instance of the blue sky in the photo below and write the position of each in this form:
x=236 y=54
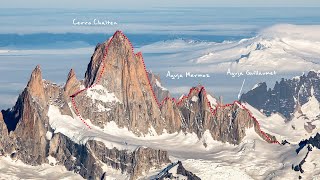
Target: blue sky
x=129 y=4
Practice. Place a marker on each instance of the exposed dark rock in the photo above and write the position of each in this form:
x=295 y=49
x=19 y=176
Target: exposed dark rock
x=72 y=84
x=171 y=173
x=282 y=97
x=181 y=170
x=159 y=91
x=75 y=157
x=299 y=166
x=314 y=141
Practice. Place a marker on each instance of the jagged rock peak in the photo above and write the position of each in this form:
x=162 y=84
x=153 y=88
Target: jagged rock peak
x=313 y=74
x=120 y=42
x=159 y=91
x=71 y=75
x=198 y=91
x=35 y=84
x=110 y=50
x=72 y=83
x=284 y=95
x=36 y=77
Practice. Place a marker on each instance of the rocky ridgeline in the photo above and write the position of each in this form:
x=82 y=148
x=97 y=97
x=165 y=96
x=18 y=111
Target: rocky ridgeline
x=286 y=95
x=116 y=88
x=123 y=73
x=24 y=135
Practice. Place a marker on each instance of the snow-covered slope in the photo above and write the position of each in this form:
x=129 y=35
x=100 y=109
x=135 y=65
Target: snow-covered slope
x=15 y=169
x=305 y=122
x=252 y=159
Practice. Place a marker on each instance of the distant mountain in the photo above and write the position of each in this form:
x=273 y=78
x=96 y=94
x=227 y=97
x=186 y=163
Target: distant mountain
x=284 y=48
x=82 y=125
x=286 y=96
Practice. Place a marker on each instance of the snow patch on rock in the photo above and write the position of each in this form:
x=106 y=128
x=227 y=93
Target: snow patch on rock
x=194 y=98
x=49 y=135
x=100 y=93
x=160 y=86
x=212 y=100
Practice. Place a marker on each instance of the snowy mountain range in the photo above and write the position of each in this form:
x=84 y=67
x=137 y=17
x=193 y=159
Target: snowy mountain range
x=119 y=122
x=286 y=95
x=281 y=48
x=284 y=48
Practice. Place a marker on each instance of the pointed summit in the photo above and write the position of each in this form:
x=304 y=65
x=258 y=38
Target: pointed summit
x=113 y=52
x=71 y=75
x=115 y=68
x=72 y=84
x=119 y=44
x=35 y=76
x=35 y=84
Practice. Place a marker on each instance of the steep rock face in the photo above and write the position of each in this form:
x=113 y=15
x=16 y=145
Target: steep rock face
x=88 y=159
x=29 y=123
x=3 y=136
x=230 y=123
x=146 y=158
x=94 y=65
x=257 y=96
x=286 y=94
x=31 y=132
x=195 y=111
x=122 y=75
x=57 y=96
x=159 y=91
x=3 y=127
x=172 y=115
x=35 y=86
x=75 y=157
x=72 y=84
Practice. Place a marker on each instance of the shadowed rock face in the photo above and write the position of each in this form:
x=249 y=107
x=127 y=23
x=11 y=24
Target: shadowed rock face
x=88 y=159
x=282 y=97
x=122 y=73
x=72 y=84
x=181 y=170
x=4 y=146
x=171 y=113
x=160 y=92
x=29 y=123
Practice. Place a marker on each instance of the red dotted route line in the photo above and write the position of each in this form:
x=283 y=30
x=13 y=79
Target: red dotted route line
x=139 y=54
x=214 y=111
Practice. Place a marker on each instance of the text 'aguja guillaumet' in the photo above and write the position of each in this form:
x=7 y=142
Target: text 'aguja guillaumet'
x=186 y=75
x=250 y=73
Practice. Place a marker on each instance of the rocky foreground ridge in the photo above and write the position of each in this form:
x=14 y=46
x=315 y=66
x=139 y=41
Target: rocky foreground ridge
x=116 y=88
